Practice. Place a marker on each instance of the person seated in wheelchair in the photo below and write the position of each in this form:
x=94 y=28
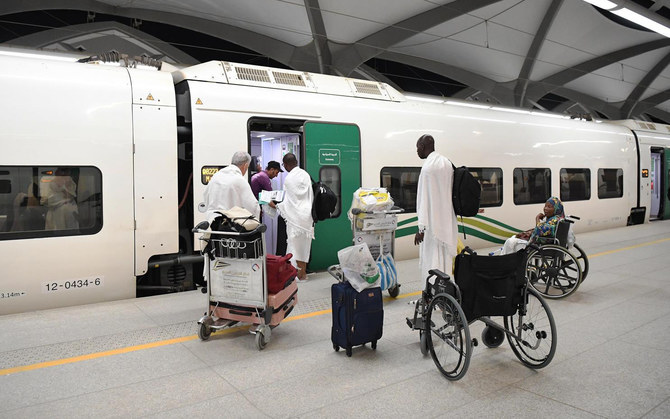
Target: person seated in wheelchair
x=546 y=224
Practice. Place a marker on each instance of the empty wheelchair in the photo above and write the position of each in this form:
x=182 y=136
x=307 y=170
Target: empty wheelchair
x=557 y=266
x=485 y=287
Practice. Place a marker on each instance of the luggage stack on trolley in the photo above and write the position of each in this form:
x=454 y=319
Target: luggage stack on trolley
x=238 y=287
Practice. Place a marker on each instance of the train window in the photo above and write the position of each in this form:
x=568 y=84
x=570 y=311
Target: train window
x=610 y=183
x=531 y=185
x=575 y=184
x=492 y=185
x=48 y=201
x=5 y=186
x=331 y=176
x=401 y=183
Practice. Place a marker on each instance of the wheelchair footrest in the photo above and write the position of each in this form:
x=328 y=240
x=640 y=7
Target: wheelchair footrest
x=415 y=325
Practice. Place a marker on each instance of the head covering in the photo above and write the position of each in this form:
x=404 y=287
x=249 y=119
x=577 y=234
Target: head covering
x=274 y=165
x=558 y=206
x=547 y=228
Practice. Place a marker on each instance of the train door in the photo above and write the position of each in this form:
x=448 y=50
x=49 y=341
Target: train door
x=333 y=156
x=659 y=182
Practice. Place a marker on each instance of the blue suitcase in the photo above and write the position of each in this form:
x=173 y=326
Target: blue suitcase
x=358 y=317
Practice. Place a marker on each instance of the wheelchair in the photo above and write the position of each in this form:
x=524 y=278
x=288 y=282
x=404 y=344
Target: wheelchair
x=558 y=266
x=485 y=286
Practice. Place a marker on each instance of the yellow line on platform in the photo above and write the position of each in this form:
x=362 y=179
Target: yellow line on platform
x=166 y=342
x=635 y=246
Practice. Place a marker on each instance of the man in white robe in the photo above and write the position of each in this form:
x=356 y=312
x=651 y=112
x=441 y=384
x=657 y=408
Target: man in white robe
x=438 y=230
x=228 y=188
x=296 y=209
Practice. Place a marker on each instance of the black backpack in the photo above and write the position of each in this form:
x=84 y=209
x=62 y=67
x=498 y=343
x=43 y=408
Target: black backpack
x=324 y=203
x=466 y=193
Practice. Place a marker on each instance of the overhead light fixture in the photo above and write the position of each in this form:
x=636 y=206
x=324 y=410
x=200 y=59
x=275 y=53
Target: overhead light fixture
x=603 y=4
x=643 y=21
x=633 y=13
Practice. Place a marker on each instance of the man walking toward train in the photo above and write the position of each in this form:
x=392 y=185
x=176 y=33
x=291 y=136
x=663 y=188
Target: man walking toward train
x=296 y=209
x=228 y=188
x=438 y=232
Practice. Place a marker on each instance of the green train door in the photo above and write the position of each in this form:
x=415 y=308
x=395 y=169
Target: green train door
x=333 y=156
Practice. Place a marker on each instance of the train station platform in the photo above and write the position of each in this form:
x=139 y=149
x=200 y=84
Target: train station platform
x=142 y=357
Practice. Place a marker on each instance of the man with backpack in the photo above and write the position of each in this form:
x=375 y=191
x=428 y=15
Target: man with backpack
x=296 y=209
x=438 y=231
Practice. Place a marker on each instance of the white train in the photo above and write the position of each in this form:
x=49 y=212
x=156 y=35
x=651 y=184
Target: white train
x=103 y=166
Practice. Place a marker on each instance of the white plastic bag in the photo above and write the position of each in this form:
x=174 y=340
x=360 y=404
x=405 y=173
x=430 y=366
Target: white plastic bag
x=359 y=267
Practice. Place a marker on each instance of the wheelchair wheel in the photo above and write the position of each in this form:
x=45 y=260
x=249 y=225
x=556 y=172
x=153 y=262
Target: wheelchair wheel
x=535 y=331
x=553 y=271
x=449 y=338
x=583 y=261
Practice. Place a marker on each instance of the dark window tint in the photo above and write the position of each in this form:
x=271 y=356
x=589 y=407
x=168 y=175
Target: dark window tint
x=331 y=176
x=610 y=183
x=532 y=186
x=47 y=201
x=401 y=183
x=575 y=184
x=492 y=185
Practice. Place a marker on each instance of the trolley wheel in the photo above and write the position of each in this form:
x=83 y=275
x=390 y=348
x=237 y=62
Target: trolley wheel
x=553 y=271
x=449 y=338
x=492 y=337
x=423 y=340
x=394 y=291
x=261 y=340
x=336 y=347
x=373 y=345
x=349 y=351
x=204 y=331
x=534 y=330
x=204 y=289
x=583 y=261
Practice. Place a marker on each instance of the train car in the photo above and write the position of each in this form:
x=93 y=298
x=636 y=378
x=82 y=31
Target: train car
x=104 y=165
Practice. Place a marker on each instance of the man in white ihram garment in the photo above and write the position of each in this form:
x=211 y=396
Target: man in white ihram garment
x=438 y=231
x=228 y=188
x=296 y=209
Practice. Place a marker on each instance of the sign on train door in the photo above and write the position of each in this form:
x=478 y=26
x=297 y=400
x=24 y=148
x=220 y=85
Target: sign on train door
x=333 y=156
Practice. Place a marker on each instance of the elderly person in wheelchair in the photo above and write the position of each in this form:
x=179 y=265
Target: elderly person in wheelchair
x=546 y=224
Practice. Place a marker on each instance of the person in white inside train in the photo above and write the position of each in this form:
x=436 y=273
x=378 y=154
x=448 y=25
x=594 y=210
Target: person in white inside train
x=296 y=209
x=438 y=231
x=228 y=188
x=59 y=195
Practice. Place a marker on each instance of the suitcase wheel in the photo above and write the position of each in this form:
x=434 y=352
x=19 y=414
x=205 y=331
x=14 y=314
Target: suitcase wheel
x=374 y=344
x=336 y=347
x=349 y=351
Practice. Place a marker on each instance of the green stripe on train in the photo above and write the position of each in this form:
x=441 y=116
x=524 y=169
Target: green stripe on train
x=487 y=228
x=468 y=220
x=408 y=231
x=491 y=220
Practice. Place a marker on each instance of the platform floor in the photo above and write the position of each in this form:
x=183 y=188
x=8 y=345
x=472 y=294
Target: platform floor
x=142 y=358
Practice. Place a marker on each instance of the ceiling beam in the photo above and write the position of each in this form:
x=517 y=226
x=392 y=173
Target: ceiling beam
x=589 y=102
x=643 y=85
x=645 y=105
x=533 y=51
x=351 y=56
x=468 y=78
x=320 y=38
x=538 y=89
x=264 y=45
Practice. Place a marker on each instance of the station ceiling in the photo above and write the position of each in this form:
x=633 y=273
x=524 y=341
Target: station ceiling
x=559 y=55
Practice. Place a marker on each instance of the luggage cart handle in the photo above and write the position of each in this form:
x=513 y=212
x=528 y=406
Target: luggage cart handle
x=394 y=210
x=203 y=226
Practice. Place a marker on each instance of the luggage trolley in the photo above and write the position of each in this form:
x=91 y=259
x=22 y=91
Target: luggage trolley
x=485 y=286
x=237 y=284
x=377 y=229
